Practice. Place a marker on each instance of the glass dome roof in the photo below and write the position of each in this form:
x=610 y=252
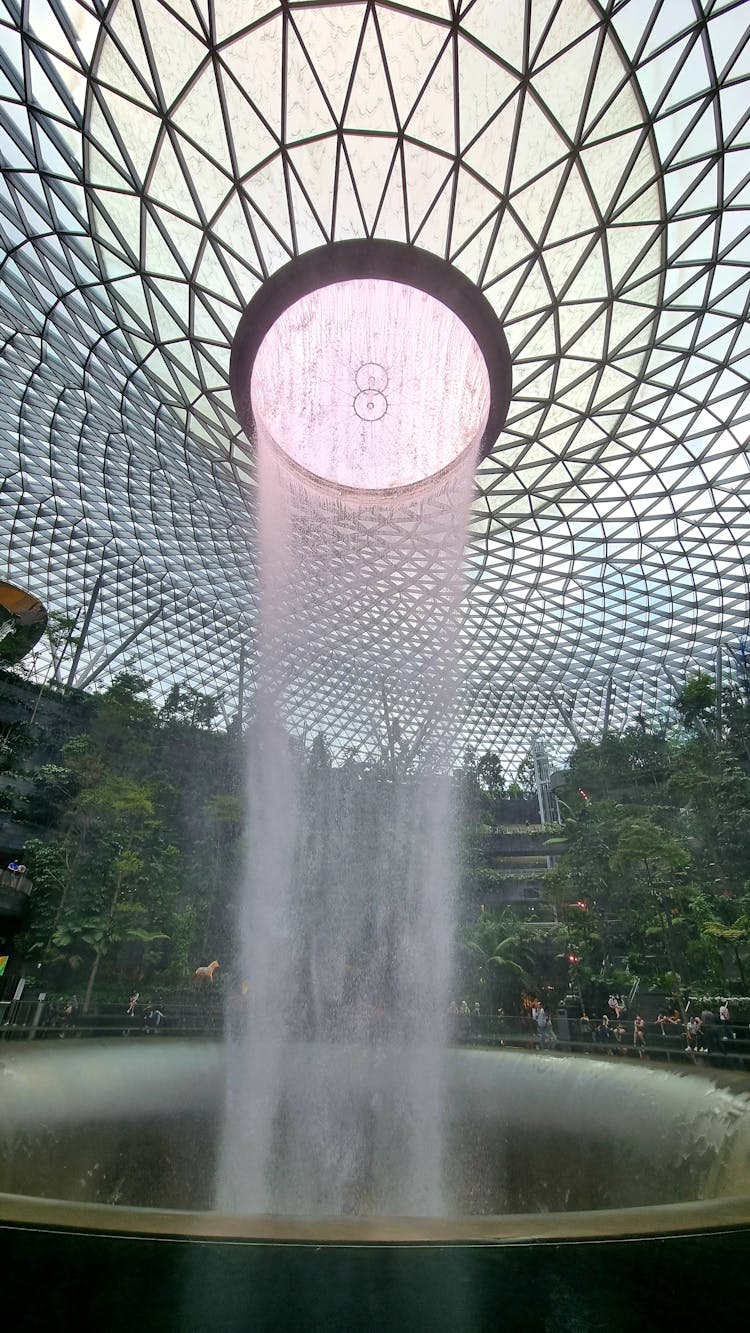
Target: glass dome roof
x=587 y=166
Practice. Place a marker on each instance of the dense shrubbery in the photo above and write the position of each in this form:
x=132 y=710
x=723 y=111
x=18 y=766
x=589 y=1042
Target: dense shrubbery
x=137 y=852
x=139 y=819
x=654 y=878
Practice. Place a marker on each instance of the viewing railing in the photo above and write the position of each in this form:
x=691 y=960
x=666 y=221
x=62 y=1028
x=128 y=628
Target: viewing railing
x=716 y=1044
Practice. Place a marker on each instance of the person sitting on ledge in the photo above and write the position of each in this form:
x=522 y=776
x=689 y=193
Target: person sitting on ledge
x=153 y=1016
x=14 y=867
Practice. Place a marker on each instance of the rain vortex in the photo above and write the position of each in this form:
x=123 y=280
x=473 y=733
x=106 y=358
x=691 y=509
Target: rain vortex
x=334 y=1100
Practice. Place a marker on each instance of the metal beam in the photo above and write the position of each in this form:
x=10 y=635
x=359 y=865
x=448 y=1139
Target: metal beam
x=84 y=631
x=567 y=718
x=241 y=689
x=607 y=704
x=58 y=657
x=121 y=647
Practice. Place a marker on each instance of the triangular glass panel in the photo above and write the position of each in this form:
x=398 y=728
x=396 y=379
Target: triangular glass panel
x=307 y=112
x=308 y=230
x=185 y=236
x=200 y=117
x=432 y=231
x=167 y=185
x=610 y=84
x=210 y=183
x=267 y=190
x=251 y=140
x=426 y=175
x=512 y=247
x=560 y=260
x=231 y=227
x=539 y=145
x=123 y=63
x=159 y=257
x=561 y=85
x=138 y=131
x=485 y=86
x=178 y=53
x=412 y=47
x=193 y=13
x=473 y=204
x=391 y=222
x=471 y=258
x=315 y=165
x=255 y=61
x=369 y=101
x=371 y=161
x=430 y=123
x=498 y=27
x=213 y=277
x=330 y=36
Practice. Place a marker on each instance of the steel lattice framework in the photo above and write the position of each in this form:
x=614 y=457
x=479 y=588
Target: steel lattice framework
x=586 y=164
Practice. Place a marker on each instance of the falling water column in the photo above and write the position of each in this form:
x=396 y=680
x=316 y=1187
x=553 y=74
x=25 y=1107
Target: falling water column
x=369 y=401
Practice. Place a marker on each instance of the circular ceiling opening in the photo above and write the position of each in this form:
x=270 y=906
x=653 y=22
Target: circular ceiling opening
x=370 y=385
x=371 y=367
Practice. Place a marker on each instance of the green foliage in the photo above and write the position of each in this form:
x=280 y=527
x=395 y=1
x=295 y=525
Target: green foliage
x=141 y=851
x=495 y=953
x=143 y=821
x=660 y=847
x=490 y=775
x=481 y=787
x=524 y=784
x=187 y=706
x=696 y=701
x=630 y=766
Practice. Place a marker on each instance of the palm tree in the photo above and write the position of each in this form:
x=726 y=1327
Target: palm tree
x=497 y=946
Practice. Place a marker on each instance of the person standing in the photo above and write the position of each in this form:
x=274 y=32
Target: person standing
x=726 y=1031
x=69 y=1014
x=539 y=1015
x=710 y=1034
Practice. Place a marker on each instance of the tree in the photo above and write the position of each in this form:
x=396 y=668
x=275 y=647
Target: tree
x=696 y=701
x=524 y=784
x=490 y=775
x=60 y=633
x=498 y=956
x=187 y=706
x=101 y=934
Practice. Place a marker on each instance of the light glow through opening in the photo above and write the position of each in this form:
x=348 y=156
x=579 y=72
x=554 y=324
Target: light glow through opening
x=370 y=385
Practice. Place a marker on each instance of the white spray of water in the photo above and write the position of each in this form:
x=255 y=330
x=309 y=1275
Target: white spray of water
x=335 y=1083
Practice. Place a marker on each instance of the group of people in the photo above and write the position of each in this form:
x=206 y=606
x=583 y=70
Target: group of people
x=469 y=1018
x=612 y=1033
x=16 y=867
x=152 y=1015
x=703 y=1033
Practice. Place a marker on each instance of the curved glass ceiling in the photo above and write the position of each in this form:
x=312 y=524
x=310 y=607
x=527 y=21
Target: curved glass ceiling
x=587 y=166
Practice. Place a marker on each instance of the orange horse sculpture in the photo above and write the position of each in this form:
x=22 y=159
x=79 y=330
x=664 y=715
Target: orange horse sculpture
x=202 y=974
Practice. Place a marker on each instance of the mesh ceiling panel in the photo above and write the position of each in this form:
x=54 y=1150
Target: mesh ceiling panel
x=586 y=164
